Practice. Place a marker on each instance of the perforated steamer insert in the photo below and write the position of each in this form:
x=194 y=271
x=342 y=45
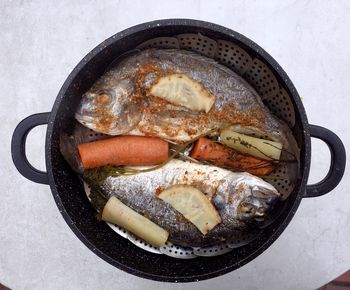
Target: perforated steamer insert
x=274 y=97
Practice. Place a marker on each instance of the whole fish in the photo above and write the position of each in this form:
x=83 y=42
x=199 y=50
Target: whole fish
x=241 y=199
x=121 y=102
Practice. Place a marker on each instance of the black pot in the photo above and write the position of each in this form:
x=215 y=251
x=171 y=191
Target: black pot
x=76 y=209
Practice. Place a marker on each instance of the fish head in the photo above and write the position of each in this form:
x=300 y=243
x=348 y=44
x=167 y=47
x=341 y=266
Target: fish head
x=109 y=109
x=256 y=200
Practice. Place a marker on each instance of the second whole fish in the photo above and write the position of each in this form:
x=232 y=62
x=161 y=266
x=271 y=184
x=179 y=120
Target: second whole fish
x=121 y=101
x=242 y=200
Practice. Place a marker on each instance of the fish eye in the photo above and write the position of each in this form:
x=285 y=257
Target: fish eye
x=103 y=97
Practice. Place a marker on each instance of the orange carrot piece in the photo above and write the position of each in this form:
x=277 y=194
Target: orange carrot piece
x=124 y=150
x=220 y=155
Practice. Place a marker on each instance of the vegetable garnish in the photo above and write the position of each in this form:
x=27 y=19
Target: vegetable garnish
x=261 y=148
x=118 y=213
x=220 y=155
x=193 y=205
x=123 y=150
x=184 y=91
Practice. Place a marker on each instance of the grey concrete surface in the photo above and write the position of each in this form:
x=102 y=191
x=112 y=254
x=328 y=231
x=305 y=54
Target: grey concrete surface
x=41 y=42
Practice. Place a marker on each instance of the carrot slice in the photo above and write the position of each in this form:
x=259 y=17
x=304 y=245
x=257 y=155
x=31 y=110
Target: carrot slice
x=123 y=150
x=220 y=155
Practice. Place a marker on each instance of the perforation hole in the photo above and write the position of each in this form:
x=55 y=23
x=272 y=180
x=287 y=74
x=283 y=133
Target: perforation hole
x=160 y=42
x=197 y=42
x=177 y=251
x=233 y=56
x=281 y=105
x=95 y=135
x=261 y=78
x=282 y=180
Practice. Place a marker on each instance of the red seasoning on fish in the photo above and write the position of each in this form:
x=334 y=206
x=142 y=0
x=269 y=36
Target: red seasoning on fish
x=177 y=95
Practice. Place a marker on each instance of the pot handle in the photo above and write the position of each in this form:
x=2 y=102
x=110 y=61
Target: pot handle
x=18 y=147
x=338 y=160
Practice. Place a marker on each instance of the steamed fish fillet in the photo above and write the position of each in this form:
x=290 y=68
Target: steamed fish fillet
x=121 y=101
x=242 y=200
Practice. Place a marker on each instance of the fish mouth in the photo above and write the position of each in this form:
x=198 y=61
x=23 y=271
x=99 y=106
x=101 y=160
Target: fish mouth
x=256 y=207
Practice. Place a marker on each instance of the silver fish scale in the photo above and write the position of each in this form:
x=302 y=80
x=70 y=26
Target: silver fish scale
x=219 y=81
x=179 y=124
x=176 y=251
x=225 y=84
x=226 y=189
